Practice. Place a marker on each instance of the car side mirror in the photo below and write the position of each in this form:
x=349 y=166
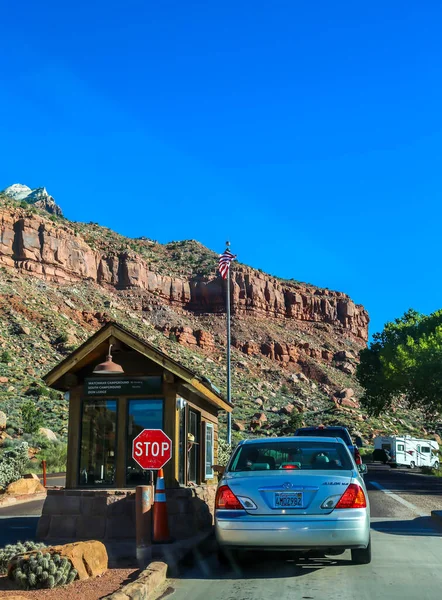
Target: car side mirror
x=362 y=469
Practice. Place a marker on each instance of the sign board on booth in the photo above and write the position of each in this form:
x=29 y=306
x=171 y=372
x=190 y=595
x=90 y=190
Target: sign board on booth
x=122 y=386
x=152 y=449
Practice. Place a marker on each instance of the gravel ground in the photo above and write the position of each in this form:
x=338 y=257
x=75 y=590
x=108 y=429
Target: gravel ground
x=90 y=589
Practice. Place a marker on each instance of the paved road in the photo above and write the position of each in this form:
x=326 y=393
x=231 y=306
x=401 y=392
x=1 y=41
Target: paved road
x=19 y=521
x=407 y=555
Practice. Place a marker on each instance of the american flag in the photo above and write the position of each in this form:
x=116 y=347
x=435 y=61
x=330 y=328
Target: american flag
x=224 y=263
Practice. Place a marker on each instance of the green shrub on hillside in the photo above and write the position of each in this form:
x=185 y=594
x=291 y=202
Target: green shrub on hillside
x=224 y=452
x=5 y=357
x=31 y=417
x=55 y=455
x=13 y=464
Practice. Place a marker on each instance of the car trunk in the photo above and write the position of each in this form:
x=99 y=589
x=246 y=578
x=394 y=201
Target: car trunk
x=288 y=492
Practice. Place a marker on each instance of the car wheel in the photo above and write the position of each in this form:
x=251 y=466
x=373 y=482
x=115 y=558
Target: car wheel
x=362 y=556
x=436 y=465
x=412 y=465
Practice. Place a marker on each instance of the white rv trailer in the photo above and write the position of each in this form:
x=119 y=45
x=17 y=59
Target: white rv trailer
x=403 y=450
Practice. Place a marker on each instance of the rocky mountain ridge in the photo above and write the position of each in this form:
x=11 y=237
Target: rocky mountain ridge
x=56 y=252
x=38 y=197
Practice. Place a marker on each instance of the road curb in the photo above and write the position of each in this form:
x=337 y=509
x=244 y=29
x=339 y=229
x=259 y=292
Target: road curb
x=436 y=515
x=146 y=585
x=150 y=580
x=13 y=500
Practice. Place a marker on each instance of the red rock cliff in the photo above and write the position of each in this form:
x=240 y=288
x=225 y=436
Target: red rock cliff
x=54 y=251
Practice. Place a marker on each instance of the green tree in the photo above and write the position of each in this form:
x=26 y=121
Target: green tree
x=404 y=361
x=31 y=417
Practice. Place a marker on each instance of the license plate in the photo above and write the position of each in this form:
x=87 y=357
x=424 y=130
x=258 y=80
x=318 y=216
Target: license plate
x=288 y=499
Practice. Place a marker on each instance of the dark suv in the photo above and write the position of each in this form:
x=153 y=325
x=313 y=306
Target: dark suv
x=332 y=431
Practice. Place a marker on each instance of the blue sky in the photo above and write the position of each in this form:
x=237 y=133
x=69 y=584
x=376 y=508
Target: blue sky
x=308 y=133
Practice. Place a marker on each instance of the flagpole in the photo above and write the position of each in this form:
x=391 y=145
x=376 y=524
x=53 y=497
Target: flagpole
x=229 y=415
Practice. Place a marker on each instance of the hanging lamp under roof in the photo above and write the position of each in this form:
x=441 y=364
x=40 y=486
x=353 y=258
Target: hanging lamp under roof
x=108 y=367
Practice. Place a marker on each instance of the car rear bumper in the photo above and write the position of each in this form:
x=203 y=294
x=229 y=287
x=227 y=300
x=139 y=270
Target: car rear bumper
x=335 y=530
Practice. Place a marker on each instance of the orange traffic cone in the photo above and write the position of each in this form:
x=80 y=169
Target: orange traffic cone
x=160 y=523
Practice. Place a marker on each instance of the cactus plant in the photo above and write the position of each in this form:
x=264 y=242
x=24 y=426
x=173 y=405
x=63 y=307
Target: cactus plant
x=11 y=550
x=35 y=567
x=72 y=575
x=43 y=570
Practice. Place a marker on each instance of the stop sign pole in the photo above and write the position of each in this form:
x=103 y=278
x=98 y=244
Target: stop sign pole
x=151 y=450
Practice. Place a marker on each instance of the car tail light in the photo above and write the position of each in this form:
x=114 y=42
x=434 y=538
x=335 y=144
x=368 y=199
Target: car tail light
x=289 y=467
x=353 y=497
x=226 y=499
x=358 y=458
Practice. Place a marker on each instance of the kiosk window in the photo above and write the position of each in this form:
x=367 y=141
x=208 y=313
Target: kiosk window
x=98 y=442
x=208 y=472
x=182 y=448
x=141 y=414
x=193 y=447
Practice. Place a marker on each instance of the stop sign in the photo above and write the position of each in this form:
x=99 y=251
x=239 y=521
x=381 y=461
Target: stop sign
x=152 y=449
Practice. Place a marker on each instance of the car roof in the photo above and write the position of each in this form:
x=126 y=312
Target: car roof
x=314 y=427
x=297 y=439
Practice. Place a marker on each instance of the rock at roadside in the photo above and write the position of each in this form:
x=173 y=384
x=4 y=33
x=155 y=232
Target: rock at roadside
x=48 y=434
x=22 y=487
x=88 y=558
x=2 y=420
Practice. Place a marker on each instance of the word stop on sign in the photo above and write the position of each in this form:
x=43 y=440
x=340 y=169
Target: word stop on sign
x=151 y=449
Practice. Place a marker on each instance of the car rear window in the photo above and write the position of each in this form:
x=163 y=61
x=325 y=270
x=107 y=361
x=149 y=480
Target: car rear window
x=339 y=433
x=271 y=456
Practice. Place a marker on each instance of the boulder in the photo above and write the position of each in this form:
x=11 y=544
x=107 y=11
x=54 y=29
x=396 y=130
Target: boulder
x=303 y=378
x=4 y=380
x=2 y=420
x=259 y=401
x=347 y=367
x=260 y=417
x=344 y=355
x=349 y=403
x=4 y=436
x=346 y=393
x=238 y=426
x=23 y=486
x=25 y=330
x=88 y=558
x=48 y=434
x=287 y=409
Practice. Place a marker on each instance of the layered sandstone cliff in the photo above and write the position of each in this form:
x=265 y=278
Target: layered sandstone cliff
x=54 y=251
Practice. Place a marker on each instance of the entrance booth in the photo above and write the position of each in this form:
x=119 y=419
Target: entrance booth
x=118 y=384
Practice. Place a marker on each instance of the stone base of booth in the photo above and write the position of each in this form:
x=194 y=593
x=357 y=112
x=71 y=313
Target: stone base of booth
x=88 y=515
x=109 y=515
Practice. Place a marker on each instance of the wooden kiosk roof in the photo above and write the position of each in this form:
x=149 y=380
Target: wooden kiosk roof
x=92 y=350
